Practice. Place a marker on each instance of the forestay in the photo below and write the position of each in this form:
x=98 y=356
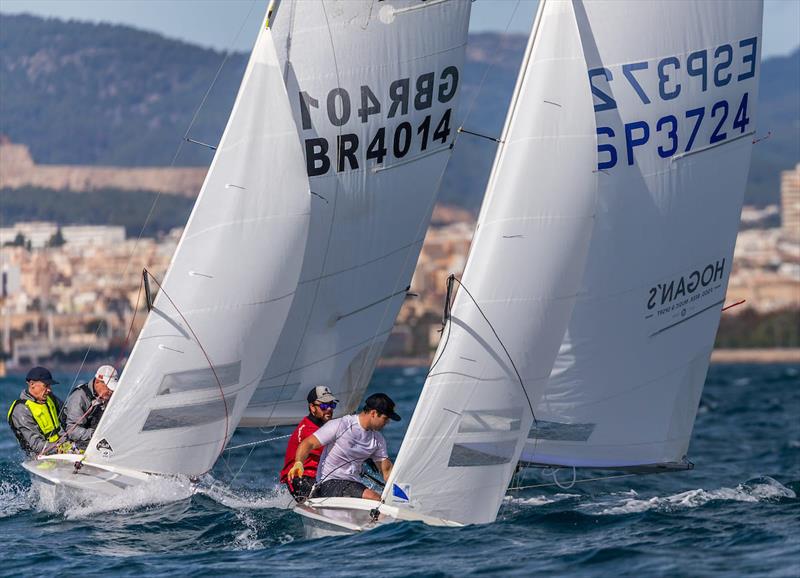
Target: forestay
x=675 y=92
x=524 y=271
x=374 y=88
x=227 y=293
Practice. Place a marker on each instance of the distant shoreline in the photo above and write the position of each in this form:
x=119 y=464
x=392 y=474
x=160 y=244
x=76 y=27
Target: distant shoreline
x=776 y=355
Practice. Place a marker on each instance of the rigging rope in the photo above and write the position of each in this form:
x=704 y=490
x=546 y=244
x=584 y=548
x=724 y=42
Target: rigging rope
x=483 y=81
x=500 y=341
x=581 y=481
x=256 y=443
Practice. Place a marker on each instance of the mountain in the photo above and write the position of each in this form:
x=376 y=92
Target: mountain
x=84 y=93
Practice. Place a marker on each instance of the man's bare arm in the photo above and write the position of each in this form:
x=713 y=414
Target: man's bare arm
x=386 y=468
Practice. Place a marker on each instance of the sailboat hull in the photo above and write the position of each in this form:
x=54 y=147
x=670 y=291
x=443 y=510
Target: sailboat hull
x=58 y=474
x=324 y=517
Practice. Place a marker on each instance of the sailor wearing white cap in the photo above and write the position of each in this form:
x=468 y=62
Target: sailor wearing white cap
x=86 y=403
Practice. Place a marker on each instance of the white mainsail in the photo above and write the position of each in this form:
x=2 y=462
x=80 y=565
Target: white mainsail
x=628 y=141
x=674 y=152
x=226 y=295
x=524 y=270
x=374 y=88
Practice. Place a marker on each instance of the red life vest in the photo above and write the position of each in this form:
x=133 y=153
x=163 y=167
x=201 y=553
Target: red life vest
x=304 y=429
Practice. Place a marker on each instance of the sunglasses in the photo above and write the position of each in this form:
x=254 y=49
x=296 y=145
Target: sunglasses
x=326 y=406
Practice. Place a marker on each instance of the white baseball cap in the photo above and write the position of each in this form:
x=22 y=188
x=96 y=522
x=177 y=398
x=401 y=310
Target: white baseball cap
x=109 y=376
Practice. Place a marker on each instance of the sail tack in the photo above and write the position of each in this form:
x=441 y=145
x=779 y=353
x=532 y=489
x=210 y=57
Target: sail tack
x=226 y=296
x=374 y=88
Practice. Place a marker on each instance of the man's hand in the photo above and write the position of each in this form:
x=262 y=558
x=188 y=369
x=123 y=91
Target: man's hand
x=296 y=471
x=65 y=448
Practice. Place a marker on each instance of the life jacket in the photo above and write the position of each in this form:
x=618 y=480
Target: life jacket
x=46 y=416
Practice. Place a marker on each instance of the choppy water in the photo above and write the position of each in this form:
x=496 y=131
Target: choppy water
x=736 y=514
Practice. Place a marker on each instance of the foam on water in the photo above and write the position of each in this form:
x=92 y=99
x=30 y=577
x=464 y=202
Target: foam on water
x=761 y=489
x=247 y=538
x=541 y=500
x=78 y=505
x=15 y=499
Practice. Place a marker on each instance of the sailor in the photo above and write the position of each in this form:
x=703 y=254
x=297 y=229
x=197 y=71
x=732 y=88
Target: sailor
x=85 y=405
x=321 y=404
x=349 y=441
x=34 y=416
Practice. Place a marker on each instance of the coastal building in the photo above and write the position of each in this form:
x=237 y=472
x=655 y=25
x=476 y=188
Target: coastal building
x=790 y=203
x=40 y=233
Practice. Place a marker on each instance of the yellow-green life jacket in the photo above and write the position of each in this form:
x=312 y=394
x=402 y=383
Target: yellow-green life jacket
x=45 y=414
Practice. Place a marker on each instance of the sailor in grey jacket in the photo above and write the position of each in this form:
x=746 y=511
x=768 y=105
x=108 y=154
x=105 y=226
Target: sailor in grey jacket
x=85 y=405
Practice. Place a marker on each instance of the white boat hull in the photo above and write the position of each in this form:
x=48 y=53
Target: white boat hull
x=66 y=472
x=323 y=517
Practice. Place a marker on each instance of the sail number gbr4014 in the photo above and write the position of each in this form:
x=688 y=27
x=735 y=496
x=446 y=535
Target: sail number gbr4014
x=729 y=69
x=351 y=150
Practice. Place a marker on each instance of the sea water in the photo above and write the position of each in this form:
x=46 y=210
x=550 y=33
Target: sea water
x=736 y=514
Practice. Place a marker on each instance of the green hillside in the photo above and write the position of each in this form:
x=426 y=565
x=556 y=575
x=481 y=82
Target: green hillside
x=82 y=93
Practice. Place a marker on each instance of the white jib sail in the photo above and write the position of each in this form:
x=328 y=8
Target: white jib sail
x=226 y=295
x=374 y=88
x=675 y=90
x=523 y=271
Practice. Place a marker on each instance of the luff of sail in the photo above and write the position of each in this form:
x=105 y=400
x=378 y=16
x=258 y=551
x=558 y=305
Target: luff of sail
x=523 y=271
x=675 y=98
x=226 y=295
x=374 y=88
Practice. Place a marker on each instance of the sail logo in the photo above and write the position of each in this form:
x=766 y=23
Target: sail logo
x=400 y=493
x=104 y=448
x=686 y=286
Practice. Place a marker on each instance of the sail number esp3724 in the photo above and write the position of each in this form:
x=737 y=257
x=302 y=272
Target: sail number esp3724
x=376 y=127
x=628 y=100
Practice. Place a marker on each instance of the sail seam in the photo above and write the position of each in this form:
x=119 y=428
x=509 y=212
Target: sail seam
x=712 y=146
x=365 y=263
x=331 y=356
x=639 y=385
x=381 y=168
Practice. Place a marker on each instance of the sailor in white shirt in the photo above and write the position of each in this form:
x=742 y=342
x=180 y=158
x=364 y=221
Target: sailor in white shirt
x=349 y=441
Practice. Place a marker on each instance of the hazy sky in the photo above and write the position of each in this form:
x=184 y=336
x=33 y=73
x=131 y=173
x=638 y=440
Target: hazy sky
x=224 y=24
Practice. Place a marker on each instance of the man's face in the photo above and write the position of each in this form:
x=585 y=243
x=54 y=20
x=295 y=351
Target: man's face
x=101 y=389
x=39 y=390
x=377 y=420
x=316 y=409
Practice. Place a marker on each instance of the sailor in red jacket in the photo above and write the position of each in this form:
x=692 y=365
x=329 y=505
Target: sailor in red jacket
x=321 y=404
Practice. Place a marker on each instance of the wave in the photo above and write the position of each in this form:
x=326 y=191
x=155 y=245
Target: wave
x=757 y=490
x=277 y=497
